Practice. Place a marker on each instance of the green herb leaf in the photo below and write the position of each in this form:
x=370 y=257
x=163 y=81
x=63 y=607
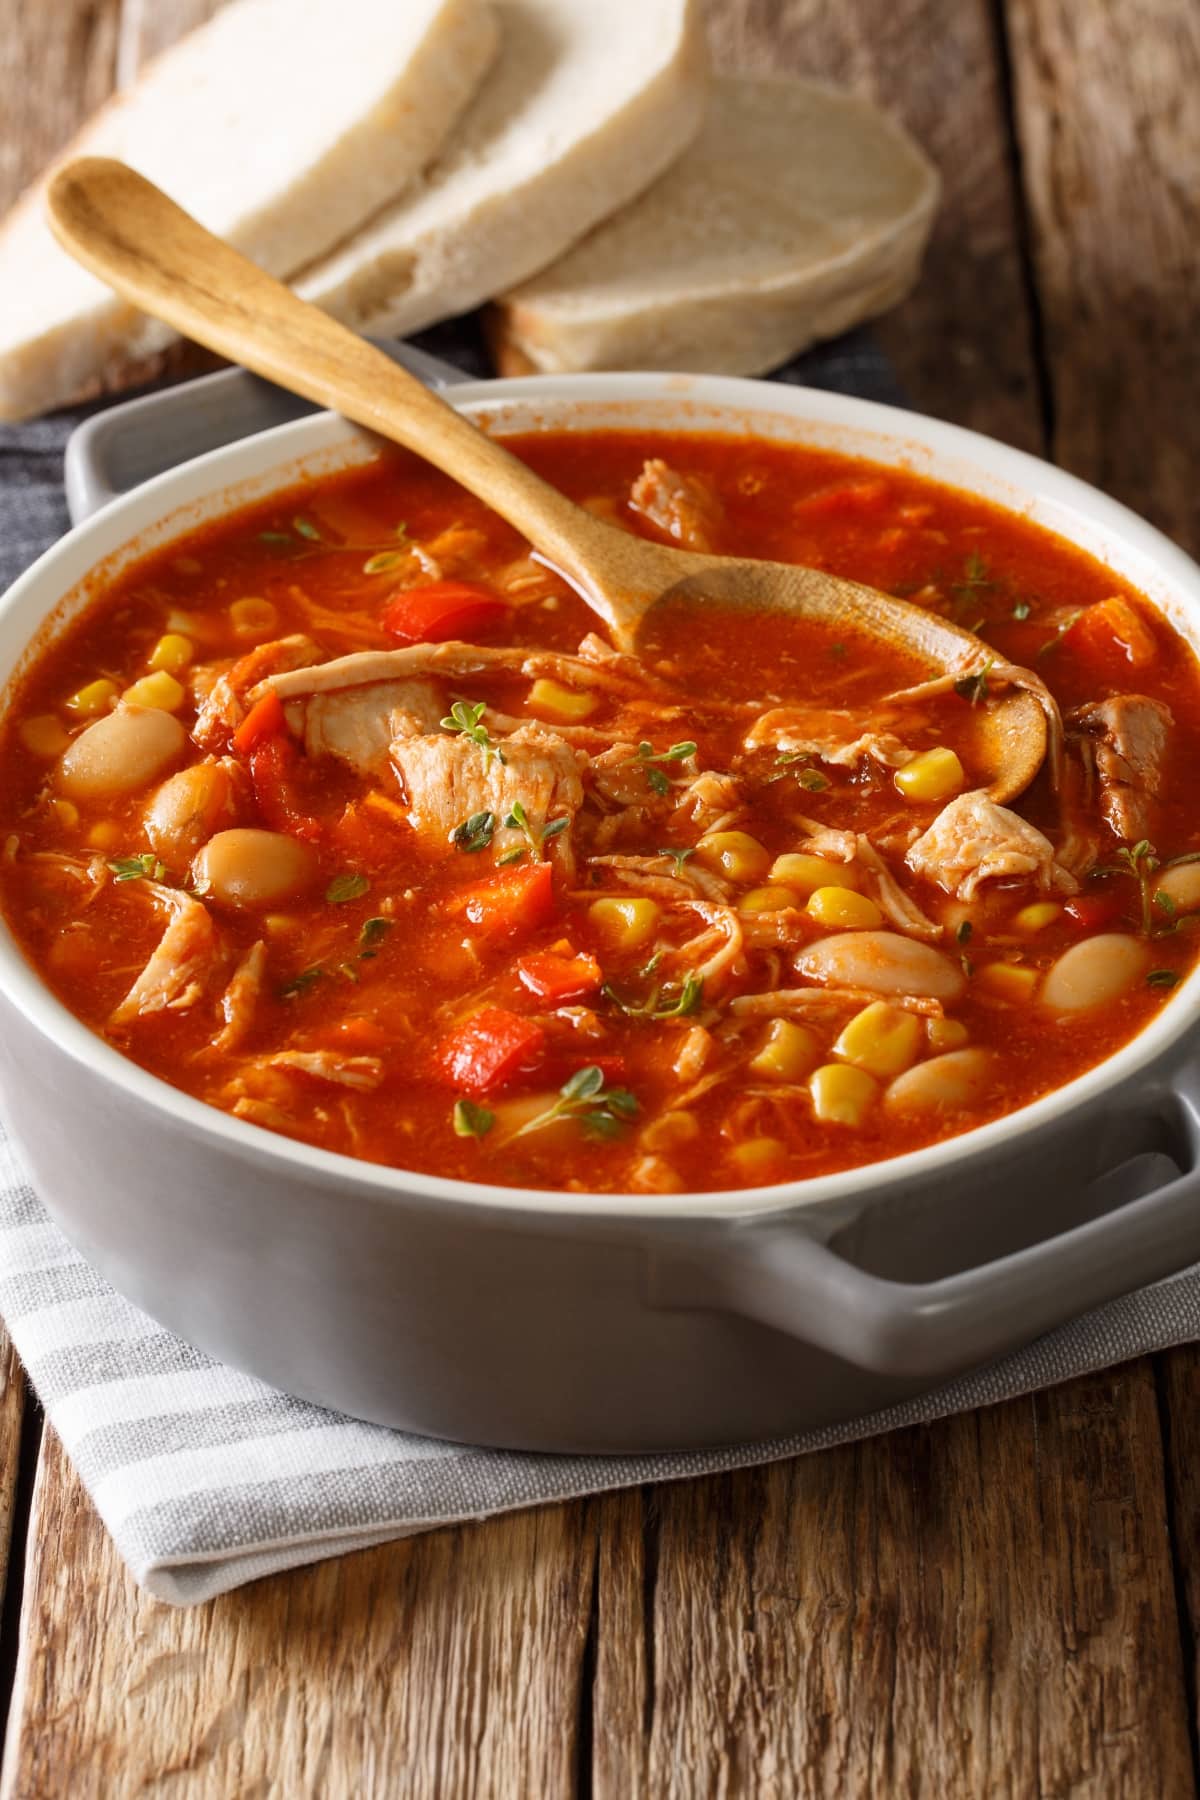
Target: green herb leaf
x=137 y=868
x=648 y=757
x=465 y=718
x=600 y=1111
x=385 y=560
x=678 y=857
x=1162 y=978
x=510 y=857
x=680 y=1005
x=517 y=819
x=1021 y=610
x=281 y=540
x=974 y=576
x=471 y=1120
x=306 y=529
x=812 y=781
x=475 y=833
x=372 y=935
x=346 y=887
x=300 y=984
x=974 y=688
x=964 y=931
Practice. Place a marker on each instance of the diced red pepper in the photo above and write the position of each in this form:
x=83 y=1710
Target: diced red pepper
x=444 y=610
x=559 y=979
x=1112 y=632
x=510 y=903
x=264 y=719
x=1094 y=910
x=489 y=1050
x=274 y=768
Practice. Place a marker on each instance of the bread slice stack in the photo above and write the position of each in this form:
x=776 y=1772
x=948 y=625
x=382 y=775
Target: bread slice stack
x=401 y=161
x=279 y=127
x=795 y=213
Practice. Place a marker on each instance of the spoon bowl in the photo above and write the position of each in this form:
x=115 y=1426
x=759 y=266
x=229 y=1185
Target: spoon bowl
x=130 y=234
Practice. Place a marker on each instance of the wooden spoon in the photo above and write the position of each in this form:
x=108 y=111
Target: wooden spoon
x=126 y=231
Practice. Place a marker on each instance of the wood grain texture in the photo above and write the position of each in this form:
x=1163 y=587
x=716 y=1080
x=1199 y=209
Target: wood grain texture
x=961 y=343
x=1110 y=148
x=446 y=1665
x=57 y=59
x=982 y=1607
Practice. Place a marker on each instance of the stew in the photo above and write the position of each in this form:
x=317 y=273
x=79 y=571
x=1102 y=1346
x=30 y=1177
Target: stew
x=343 y=815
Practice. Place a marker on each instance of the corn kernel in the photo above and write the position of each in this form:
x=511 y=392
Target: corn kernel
x=1038 y=916
x=1007 y=982
x=807 y=873
x=933 y=775
x=66 y=812
x=842 y=1094
x=172 y=652
x=105 y=835
x=43 y=734
x=670 y=1131
x=789 y=1052
x=734 y=853
x=884 y=1040
x=159 y=690
x=946 y=1034
x=252 y=617
x=551 y=700
x=94 y=698
x=768 y=899
x=759 y=1159
x=841 y=909
x=624 y=924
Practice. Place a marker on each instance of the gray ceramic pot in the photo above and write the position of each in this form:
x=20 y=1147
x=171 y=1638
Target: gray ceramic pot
x=593 y=1323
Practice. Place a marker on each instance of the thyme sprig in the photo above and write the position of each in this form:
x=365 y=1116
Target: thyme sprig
x=601 y=1111
x=661 y=1003
x=649 y=759
x=465 y=718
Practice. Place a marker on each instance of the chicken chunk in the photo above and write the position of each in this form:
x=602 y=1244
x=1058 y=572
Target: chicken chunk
x=449 y=779
x=973 y=840
x=239 y=1002
x=679 y=505
x=182 y=965
x=1128 y=738
x=356 y=724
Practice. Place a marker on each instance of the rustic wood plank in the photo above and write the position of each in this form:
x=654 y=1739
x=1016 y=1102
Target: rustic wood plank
x=1110 y=143
x=961 y=343
x=56 y=66
x=981 y=1607
x=446 y=1665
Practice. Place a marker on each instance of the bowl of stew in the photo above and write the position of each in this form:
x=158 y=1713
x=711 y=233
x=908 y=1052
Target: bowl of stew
x=411 y=999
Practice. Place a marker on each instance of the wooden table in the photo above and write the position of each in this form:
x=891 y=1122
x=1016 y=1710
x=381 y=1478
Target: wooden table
x=1006 y=1603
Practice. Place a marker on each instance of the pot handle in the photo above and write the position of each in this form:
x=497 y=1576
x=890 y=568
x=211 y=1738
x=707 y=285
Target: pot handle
x=124 y=445
x=782 y=1277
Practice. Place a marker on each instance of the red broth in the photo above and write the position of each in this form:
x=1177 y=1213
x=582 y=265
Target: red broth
x=551 y=942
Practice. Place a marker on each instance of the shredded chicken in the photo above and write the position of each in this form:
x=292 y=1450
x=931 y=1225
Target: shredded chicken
x=902 y=910
x=183 y=964
x=450 y=779
x=711 y=801
x=973 y=840
x=239 y=1002
x=692 y=1056
x=1127 y=737
x=679 y=505
x=360 y=1072
x=223 y=699
x=831 y=735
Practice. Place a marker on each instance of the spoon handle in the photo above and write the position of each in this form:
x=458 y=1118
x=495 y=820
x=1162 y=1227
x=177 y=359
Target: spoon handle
x=127 y=231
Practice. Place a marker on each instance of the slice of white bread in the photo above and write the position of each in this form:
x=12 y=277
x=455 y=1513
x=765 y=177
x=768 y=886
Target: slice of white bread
x=281 y=126
x=586 y=104
x=795 y=213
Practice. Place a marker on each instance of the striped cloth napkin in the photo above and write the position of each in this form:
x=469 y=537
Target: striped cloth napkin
x=208 y=1478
